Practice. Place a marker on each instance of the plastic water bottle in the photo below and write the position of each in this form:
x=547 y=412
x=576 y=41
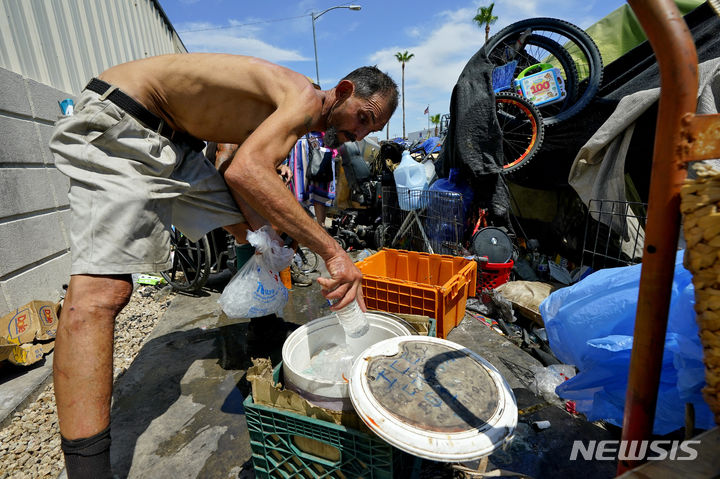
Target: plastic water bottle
x=410 y=180
x=353 y=320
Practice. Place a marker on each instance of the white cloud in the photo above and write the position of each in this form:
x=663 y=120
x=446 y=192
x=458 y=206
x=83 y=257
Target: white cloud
x=438 y=59
x=189 y=26
x=462 y=15
x=246 y=26
x=414 y=32
x=242 y=40
x=227 y=42
x=521 y=9
x=442 y=53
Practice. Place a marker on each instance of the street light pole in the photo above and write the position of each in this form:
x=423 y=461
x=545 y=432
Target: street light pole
x=314 y=17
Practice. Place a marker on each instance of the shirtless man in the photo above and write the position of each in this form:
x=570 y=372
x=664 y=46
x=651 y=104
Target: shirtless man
x=132 y=153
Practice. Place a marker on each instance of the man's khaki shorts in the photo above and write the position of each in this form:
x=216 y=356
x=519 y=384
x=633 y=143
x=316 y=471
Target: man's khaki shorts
x=128 y=184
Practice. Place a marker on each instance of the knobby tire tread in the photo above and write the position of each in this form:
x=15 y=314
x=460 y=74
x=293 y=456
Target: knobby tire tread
x=535 y=117
x=203 y=274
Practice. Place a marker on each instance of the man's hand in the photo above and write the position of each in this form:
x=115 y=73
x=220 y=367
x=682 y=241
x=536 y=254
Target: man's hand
x=344 y=284
x=285 y=173
x=224 y=155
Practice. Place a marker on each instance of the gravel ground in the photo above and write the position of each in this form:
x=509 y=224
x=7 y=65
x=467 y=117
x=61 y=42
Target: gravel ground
x=30 y=443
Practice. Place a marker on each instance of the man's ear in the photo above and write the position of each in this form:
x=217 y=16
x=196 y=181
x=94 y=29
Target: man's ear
x=344 y=90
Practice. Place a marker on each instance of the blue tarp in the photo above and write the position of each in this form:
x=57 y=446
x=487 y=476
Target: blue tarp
x=591 y=324
x=431 y=145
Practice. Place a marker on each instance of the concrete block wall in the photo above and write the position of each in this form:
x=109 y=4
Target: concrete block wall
x=34 y=211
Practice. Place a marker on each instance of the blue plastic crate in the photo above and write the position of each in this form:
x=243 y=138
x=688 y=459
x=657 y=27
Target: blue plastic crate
x=289 y=445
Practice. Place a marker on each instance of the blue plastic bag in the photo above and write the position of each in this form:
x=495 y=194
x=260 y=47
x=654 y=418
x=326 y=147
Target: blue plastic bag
x=591 y=324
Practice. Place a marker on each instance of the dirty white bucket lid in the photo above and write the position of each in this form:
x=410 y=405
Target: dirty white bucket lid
x=433 y=398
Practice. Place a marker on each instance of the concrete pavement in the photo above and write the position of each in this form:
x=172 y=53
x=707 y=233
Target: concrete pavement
x=20 y=384
x=177 y=410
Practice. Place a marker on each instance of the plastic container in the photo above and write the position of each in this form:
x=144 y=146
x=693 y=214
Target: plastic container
x=353 y=320
x=67 y=106
x=493 y=275
x=410 y=282
x=286 y=444
x=545 y=86
x=454 y=184
x=410 y=181
x=433 y=398
x=300 y=347
x=448 y=201
x=286 y=278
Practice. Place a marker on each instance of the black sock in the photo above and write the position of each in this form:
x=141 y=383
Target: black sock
x=88 y=457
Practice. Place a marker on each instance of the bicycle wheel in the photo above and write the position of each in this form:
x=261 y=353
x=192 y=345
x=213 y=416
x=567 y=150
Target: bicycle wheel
x=545 y=48
x=191 y=263
x=384 y=235
x=536 y=40
x=522 y=129
x=341 y=242
x=306 y=260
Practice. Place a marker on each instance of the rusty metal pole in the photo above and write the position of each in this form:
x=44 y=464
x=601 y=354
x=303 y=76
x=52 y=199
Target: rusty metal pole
x=676 y=55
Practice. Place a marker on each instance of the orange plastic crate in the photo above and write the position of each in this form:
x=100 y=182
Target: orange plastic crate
x=410 y=282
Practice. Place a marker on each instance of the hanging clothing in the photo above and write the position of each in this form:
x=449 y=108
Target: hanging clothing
x=474 y=139
x=297 y=160
x=321 y=192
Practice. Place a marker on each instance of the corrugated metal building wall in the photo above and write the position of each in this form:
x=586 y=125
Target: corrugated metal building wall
x=63 y=43
x=49 y=49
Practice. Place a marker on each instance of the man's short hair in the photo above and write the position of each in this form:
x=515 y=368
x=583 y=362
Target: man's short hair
x=370 y=81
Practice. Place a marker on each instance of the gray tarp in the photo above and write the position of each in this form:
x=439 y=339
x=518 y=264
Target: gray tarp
x=599 y=167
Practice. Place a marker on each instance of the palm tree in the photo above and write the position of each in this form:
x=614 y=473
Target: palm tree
x=485 y=17
x=435 y=120
x=403 y=58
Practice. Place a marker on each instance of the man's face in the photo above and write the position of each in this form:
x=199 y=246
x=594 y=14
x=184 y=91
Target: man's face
x=354 y=119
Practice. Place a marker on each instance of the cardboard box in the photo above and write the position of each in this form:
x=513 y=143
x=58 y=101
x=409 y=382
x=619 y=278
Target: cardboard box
x=5 y=352
x=37 y=320
x=268 y=392
x=27 y=354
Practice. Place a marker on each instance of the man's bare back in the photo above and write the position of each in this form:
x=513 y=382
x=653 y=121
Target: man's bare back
x=217 y=97
x=263 y=108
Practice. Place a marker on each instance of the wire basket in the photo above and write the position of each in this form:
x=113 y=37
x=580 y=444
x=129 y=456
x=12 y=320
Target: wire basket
x=614 y=233
x=436 y=224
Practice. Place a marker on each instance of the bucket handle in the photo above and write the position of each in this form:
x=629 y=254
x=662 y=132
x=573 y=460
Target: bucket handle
x=537 y=67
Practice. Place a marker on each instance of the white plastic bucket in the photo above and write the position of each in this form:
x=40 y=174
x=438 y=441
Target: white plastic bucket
x=308 y=339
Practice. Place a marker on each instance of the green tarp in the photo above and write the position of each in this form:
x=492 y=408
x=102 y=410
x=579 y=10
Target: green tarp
x=620 y=31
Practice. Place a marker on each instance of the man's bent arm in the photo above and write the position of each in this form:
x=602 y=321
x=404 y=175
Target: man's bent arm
x=223 y=153
x=252 y=176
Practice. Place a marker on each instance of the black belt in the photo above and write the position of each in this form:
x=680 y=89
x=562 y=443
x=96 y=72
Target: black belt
x=143 y=115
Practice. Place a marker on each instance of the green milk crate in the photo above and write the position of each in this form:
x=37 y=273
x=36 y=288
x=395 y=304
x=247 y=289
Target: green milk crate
x=288 y=445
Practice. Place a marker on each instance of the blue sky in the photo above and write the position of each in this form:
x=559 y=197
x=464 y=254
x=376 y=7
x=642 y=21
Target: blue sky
x=440 y=34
